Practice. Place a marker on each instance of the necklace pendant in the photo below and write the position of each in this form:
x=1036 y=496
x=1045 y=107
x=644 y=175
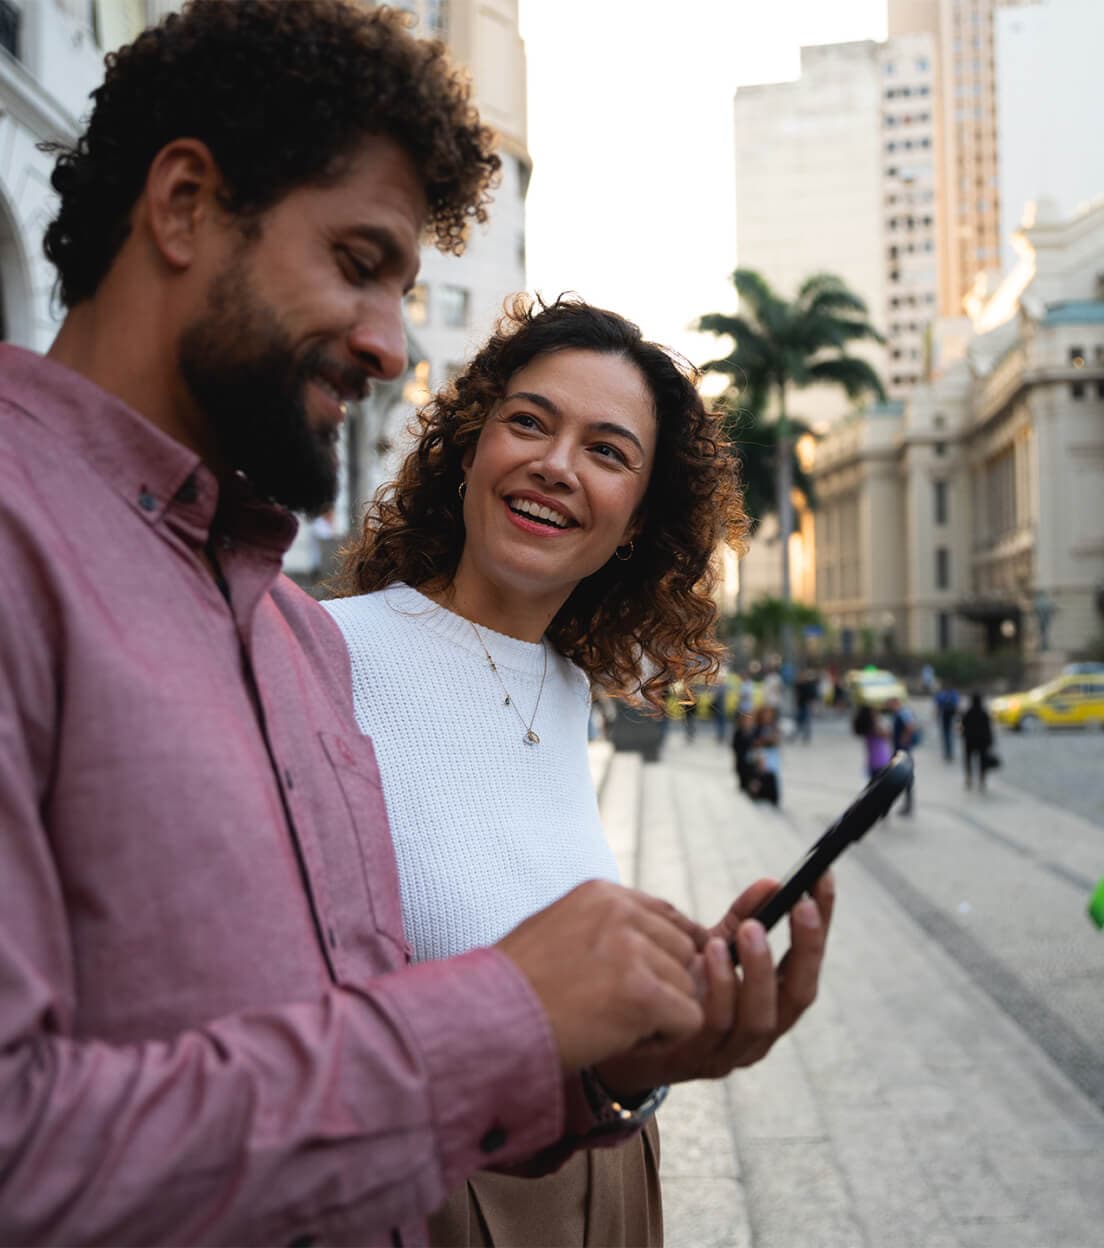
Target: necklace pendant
x=531 y=738
x=507 y=702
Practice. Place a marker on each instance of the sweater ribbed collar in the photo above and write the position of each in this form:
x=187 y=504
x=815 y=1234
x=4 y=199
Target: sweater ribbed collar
x=525 y=657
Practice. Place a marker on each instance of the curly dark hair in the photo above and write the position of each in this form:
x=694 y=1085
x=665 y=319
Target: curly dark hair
x=280 y=92
x=634 y=626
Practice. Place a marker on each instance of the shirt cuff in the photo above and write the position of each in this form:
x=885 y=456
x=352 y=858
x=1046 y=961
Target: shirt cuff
x=492 y=1069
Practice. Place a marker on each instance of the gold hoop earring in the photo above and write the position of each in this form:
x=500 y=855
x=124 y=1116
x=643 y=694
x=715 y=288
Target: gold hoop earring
x=625 y=558
x=461 y=490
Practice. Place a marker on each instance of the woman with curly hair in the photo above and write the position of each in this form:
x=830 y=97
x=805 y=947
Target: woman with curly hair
x=552 y=530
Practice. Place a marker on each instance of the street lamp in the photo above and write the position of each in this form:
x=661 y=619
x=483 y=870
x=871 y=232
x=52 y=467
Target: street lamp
x=1044 y=607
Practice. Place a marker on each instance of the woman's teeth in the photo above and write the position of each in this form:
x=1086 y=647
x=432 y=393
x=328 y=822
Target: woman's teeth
x=537 y=511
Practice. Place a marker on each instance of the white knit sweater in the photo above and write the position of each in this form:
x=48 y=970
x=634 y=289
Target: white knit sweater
x=487 y=829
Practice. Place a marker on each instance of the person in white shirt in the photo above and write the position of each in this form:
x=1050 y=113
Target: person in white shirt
x=553 y=528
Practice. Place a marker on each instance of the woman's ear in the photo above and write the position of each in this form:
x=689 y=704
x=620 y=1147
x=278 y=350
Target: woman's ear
x=467 y=460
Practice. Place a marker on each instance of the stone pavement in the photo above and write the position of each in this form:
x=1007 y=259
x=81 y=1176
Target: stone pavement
x=906 y=1110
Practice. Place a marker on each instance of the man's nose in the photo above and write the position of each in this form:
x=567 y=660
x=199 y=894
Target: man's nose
x=378 y=340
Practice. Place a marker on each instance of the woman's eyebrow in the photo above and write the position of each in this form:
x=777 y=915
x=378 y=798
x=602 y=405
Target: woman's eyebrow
x=539 y=400
x=613 y=428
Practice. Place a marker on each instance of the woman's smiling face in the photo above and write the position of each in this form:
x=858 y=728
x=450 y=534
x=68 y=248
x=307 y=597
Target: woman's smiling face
x=557 y=478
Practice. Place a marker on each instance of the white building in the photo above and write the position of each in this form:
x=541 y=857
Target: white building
x=1050 y=95
x=49 y=62
x=809 y=186
x=965 y=517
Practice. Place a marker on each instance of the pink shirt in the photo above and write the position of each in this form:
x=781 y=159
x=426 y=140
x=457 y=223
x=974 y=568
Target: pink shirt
x=207 y=1032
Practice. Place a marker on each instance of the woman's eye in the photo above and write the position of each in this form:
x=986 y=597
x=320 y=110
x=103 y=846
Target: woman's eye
x=605 y=451
x=524 y=421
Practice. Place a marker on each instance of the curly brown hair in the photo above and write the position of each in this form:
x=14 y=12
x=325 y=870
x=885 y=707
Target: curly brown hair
x=281 y=93
x=635 y=626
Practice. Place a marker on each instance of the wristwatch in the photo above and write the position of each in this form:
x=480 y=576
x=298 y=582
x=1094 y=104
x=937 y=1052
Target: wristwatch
x=614 y=1113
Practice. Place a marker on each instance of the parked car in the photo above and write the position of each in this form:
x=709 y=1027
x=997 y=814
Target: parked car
x=1065 y=702
x=873 y=686
x=1085 y=668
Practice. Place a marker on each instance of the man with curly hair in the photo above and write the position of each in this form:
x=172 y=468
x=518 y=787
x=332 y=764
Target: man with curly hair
x=208 y=1028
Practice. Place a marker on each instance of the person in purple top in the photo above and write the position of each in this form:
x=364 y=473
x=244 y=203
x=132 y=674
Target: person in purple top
x=209 y=1030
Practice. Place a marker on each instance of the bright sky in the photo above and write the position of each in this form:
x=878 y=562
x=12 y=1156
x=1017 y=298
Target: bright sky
x=630 y=130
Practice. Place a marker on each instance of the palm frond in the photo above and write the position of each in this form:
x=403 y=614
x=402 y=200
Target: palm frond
x=856 y=377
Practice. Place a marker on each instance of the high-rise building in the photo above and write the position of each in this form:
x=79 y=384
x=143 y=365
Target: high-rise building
x=966 y=146
x=909 y=111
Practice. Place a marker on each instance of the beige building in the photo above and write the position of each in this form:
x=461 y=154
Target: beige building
x=973 y=516
x=967 y=177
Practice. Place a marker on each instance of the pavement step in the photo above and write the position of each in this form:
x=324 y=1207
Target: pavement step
x=905 y=1109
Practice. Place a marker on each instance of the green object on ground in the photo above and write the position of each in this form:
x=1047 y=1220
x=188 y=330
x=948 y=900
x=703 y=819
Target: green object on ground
x=1096 y=905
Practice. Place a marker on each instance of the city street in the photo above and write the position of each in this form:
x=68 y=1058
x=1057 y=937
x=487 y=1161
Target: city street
x=948 y=1087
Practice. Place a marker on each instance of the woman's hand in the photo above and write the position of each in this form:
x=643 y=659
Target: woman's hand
x=745 y=1010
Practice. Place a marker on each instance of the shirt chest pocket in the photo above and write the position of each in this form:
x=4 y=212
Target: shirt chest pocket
x=359 y=879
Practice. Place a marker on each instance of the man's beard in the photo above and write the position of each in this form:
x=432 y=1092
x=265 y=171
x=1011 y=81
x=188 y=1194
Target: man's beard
x=240 y=366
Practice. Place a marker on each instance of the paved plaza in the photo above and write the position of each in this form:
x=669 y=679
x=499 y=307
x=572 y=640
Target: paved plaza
x=947 y=1090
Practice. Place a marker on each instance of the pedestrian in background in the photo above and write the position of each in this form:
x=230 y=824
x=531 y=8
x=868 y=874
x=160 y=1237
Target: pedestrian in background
x=977 y=739
x=876 y=738
x=904 y=736
x=743 y=740
x=946 y=712
x=766 y=757
x=806 y=692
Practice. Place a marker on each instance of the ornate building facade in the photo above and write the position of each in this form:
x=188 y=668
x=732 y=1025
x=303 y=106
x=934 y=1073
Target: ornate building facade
x=972 y=516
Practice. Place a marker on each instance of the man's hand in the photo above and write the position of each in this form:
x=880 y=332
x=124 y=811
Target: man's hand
x=746 y=1010
x=611 y=967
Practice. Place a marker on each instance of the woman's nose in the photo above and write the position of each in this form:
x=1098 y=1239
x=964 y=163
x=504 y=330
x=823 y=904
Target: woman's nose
x=557 y=464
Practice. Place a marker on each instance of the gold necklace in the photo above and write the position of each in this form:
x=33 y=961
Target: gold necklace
x=530 y=737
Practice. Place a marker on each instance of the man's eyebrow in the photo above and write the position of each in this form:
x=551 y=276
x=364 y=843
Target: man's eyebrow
x=597 y=426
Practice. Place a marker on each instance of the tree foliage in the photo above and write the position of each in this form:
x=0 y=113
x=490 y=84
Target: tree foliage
x=780 y=345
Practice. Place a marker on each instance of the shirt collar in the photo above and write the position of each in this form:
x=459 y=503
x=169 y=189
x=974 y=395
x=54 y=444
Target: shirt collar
x=161 y=479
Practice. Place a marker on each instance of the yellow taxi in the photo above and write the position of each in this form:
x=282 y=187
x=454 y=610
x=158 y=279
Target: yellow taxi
x=1071 y=701
x=873 y=686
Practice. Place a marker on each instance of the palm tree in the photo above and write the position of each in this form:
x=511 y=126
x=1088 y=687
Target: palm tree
x=755 y=439
x=782 y=345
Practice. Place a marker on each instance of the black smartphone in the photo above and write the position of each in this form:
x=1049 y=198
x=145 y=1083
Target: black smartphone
x=871 y=804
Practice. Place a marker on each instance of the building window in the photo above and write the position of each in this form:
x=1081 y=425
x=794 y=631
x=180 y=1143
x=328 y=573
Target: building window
x=939 y=497
x=942 y=568
x=453 y=302
x=943 y=630
x=1077 y=389
x=9 y=27
x=940 y=448
x=1077 y=357
x=417 y=305
x=1100 y=389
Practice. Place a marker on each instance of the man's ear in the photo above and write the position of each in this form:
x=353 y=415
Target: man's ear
x=181 y=198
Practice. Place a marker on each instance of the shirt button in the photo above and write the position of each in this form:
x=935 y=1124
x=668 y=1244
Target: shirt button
x=493 y=1140
x=226 y=543
x=146 y=501
x=303 y=1241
